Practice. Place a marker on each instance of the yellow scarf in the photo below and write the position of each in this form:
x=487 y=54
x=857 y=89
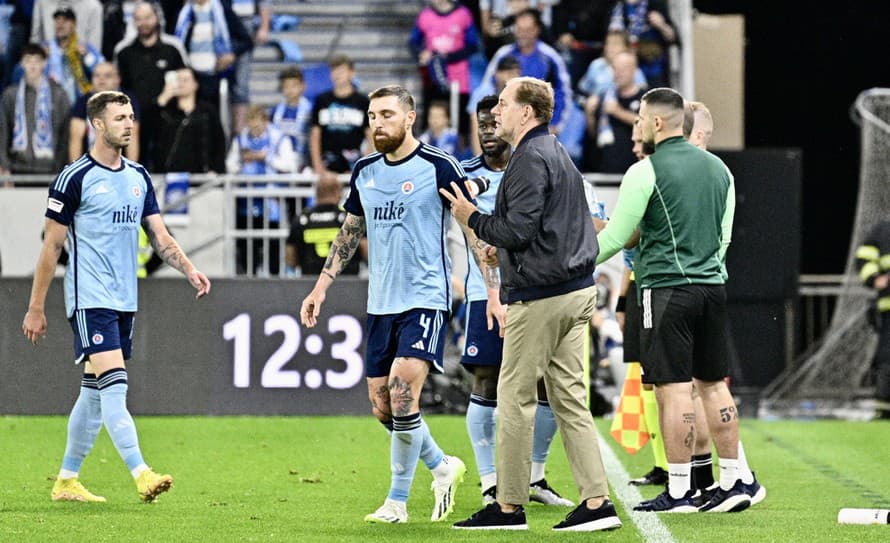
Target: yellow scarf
x=76 y=65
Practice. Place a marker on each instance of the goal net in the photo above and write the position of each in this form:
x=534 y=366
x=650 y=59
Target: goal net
x=833 y=378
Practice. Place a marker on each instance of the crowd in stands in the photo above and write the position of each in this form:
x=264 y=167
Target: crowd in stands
x=186 y=66
x=174 y=57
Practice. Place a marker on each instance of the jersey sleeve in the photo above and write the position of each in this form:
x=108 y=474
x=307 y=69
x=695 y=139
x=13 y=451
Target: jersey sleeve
x=450 y=171
x=633 y=198
x=353 y=202
x=150 y=207
x=64 y=198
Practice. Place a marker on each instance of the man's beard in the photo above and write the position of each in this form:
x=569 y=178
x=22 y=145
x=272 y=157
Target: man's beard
x=389 y=143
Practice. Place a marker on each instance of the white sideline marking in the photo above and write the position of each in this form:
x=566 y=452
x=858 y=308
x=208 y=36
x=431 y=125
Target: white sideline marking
x=649 y=525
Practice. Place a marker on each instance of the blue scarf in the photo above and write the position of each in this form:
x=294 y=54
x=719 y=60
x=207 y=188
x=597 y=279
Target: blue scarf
x=222 y=42
x=42 y=144
x=637 y=19
x=268 y=141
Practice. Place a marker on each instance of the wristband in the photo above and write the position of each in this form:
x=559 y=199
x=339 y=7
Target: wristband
x=620 y=306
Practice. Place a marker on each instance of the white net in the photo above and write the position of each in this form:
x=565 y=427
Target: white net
x=833 y=377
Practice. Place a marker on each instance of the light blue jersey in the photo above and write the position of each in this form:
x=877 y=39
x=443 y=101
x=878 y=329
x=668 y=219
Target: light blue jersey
x=103 y=210
x=476 y=167
x=407 y=221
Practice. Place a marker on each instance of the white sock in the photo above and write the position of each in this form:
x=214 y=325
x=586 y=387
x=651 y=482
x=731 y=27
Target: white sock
x=66 y=474
x=537 y=472
x=488 y=480
x=729 y=472
x=679 y=479
x=137 y=471
x=744 y=471
x=442 y=470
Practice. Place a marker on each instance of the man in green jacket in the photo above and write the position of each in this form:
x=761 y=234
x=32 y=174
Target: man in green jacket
x=683 y=200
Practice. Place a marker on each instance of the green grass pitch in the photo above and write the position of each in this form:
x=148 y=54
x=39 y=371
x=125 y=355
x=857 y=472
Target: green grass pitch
x=311 y=479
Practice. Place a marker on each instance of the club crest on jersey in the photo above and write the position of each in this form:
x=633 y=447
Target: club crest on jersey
x=407 y=187
x=472 y=350
x=137 y=192
x=97 y=338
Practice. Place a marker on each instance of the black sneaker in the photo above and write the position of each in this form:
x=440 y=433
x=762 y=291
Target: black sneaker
x=728 y=501
x=655 y=477
x=664 y=503
x=493 y=518
x=582 y=519
x=755 y=491
x=704 y=495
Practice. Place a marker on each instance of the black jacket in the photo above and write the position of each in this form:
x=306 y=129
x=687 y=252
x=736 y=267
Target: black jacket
x=541 y=224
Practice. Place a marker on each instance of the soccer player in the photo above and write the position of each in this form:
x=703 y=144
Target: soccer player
x=684 y=235
x=98 y=202
x=394 y=198
x=484 y=345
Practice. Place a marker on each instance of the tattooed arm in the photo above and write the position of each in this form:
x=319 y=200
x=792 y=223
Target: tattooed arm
x=342 y=249
x=169 y=251
x=495 y=311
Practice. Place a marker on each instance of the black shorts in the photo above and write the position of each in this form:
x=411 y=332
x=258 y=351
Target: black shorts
x=631 y=325
x=684 y=334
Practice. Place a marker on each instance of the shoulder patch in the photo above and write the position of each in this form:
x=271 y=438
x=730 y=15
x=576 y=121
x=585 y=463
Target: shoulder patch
x=54 y=205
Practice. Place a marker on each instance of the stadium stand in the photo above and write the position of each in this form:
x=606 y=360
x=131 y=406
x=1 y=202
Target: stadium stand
x=373 y=33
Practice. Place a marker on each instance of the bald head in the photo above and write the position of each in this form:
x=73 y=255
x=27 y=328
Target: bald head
x=327 y=189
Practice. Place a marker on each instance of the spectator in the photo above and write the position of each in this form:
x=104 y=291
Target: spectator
x=190 y=135
x=538 y=60
x=506 y=69
x=439 y=132
x=71 y=61
x=259 y=149
x=443 y=39
x=114 y=26
x=339 y=121
x=214 y=37
x=81 y=134
x=599 y=76
x=498 y=20
x=88 y=13
x=291 y=116
x=34 y=120
x=19 y=31
x=651 y=33
x=256 y=17
x=143 y=61
x=313 y=231
x=578 y=27
x=610 y=119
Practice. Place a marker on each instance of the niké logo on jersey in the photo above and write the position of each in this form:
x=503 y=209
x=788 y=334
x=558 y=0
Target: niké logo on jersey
x=126 y=215
x=389 y=211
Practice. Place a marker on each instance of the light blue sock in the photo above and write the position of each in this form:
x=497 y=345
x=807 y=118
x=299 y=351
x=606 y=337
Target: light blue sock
x=84 y=424
x=545 y=429
x=481 y=429
x=118 y=422
x=430 y=452
x=407 y=438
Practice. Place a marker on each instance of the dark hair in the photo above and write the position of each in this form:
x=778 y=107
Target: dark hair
x=486 y=103
x=34 y=49
x=508 y=62
x=536 y=93
x=534 y=14
x=664 y=96
x=291 y=72
x=439 y=103
x=398 y=91
x=99 y=101
x=340 y=60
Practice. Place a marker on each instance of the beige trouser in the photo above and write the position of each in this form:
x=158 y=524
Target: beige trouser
x=546 y=338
